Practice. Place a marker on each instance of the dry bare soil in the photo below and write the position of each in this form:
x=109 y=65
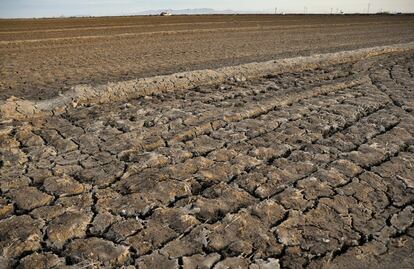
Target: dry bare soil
x=310 y=169
x=40 y=58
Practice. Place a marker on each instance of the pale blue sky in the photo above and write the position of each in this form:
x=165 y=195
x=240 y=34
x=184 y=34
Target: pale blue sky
x=50 y=8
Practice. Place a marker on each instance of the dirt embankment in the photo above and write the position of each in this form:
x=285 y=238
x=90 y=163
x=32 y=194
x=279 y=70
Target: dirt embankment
x=83 y=95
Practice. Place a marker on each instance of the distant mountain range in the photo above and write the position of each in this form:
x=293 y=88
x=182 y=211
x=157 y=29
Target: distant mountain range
x=188 y=11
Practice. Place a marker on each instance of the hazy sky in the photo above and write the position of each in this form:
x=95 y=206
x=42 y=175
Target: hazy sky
x=48 y=8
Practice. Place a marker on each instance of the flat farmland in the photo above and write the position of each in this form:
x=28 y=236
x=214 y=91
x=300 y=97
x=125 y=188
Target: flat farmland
x=42 y=57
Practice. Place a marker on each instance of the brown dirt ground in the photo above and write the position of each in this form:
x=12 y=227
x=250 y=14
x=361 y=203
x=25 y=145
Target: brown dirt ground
x=295 y=170
x=40 y=58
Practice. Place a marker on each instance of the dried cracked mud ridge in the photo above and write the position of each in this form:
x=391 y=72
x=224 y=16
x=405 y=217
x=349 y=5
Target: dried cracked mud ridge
x=307 y=169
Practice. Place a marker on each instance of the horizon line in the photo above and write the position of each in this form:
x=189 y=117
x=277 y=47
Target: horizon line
x=214 y=14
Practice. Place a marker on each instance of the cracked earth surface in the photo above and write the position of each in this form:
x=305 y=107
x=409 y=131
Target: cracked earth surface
x=312 y=169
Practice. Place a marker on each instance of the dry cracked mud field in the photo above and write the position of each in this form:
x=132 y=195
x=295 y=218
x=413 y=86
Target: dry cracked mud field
x=310 y=168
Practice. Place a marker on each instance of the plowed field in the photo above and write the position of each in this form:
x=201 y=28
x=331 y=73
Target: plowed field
x=40 y=58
